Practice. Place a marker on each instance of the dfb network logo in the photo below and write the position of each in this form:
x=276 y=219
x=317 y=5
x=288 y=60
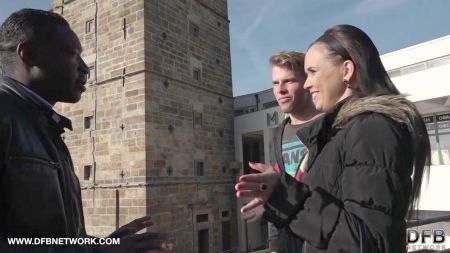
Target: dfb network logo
x=418 y=239
x=434 y=235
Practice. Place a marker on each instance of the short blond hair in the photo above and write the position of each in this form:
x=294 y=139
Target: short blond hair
x=291 y=59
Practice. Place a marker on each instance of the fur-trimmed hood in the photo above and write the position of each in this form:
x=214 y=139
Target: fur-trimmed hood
x=396 y=107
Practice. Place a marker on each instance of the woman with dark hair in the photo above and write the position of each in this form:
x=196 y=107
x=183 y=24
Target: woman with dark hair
x=358 y=188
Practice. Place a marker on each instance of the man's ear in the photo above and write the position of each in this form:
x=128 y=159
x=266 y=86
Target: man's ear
x=26 y=54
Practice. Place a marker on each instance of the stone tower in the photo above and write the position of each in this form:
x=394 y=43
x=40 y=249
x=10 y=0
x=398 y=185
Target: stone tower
x=153 y=133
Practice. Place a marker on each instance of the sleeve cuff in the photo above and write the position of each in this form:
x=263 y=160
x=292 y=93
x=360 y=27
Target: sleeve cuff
x=286 y=200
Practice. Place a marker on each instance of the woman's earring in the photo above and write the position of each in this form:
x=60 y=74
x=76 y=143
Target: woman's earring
x=347 y=83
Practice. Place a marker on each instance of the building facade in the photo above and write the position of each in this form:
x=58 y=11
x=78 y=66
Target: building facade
x=153 y=133
x=421 y=71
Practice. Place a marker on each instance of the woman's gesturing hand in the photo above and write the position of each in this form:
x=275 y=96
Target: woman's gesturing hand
x=258 y=186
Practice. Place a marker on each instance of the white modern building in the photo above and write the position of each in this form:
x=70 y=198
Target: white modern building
x=422 y=71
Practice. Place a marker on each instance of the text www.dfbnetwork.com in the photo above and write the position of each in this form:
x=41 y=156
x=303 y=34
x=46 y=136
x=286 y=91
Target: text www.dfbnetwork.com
x=64 y=241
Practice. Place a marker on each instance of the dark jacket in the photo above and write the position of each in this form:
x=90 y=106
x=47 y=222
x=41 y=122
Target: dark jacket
x=40 y=194
x=285 y=242
x=358 y=179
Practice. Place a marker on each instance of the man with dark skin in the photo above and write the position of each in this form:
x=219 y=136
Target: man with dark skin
x=40 y=195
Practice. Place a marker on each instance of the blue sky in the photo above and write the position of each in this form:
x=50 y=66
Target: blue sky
x=258 y=28
x=9 y=6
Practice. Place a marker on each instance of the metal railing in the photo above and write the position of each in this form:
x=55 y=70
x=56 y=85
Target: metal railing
x=417 y=223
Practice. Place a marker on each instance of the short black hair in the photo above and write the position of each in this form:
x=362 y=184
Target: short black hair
x=26 y=25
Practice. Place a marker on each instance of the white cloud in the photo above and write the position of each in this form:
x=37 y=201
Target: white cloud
x=264 y=10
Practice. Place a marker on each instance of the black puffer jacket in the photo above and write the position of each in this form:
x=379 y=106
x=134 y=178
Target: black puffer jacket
x=358 y=181
x=40 y=194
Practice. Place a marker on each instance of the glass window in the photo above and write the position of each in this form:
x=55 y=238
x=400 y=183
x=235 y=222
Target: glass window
x=196 y=74
x=90 y=26
x=434 y=150
x=88 y=122
x=394 y=73
x=198 y=119
x=202 y=218
x=439 y=61
x=194 y=30
x=270 y=104
x=444 y=141
x=199 y=168
x=239 y=112
x=430 y=128
x=91 y=73
x=87 y=172
x=414 y=68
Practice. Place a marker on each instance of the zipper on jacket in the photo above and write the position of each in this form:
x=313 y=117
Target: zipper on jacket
x=35 y=159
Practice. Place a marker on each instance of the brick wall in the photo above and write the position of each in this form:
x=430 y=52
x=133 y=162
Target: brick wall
x=158 y=109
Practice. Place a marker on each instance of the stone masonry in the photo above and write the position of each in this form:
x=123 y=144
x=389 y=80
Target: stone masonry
x=153 y=134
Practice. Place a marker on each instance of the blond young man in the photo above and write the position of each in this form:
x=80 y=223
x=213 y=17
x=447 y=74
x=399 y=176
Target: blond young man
x=288 y=153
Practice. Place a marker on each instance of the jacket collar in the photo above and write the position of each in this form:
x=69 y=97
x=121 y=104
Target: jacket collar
x=18 y=88
x=395 y=107
x=317 y=134
x=320 y=128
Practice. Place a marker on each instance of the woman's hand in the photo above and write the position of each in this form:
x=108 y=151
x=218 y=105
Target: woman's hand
x=257 y=186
